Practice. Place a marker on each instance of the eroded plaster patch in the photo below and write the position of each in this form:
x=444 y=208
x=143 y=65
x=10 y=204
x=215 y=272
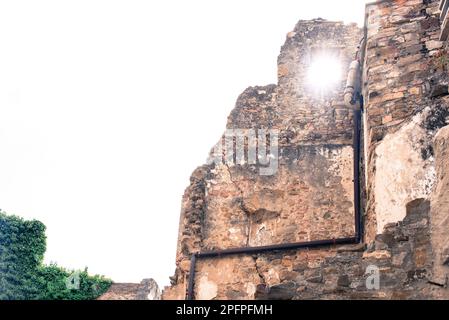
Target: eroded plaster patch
x=402 y=174
x=207 y=290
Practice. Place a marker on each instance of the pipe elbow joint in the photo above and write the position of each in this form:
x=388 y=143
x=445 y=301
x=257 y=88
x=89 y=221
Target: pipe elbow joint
x=349 y=97
x=352 y=84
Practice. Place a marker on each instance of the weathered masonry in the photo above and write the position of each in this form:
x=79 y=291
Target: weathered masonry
x=312 y=195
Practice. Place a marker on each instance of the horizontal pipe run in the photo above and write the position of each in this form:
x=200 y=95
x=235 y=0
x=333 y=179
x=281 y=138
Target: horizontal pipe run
x=275 y=247
x=261 y=249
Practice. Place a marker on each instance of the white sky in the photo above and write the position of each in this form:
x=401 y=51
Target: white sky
x=106 y=107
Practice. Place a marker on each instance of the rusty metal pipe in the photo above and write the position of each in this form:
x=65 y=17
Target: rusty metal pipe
x=352 y=85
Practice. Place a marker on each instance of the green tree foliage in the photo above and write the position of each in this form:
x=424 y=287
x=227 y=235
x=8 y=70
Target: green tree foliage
x=23 y=276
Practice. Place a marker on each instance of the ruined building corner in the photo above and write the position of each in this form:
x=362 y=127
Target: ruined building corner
x=360 y=192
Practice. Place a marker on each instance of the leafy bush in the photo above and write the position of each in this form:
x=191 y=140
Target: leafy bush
x=53 y=283
x=22 y=248
x=23 y=275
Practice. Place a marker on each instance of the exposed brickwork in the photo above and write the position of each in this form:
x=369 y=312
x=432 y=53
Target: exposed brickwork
x=401 y=39
x=400 y=75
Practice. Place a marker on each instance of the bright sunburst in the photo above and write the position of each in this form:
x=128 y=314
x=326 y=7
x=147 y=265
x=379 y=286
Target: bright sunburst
x=324 y=72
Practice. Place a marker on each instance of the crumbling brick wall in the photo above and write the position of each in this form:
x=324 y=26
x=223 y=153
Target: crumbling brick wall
x=401 y=80
x=310 y=196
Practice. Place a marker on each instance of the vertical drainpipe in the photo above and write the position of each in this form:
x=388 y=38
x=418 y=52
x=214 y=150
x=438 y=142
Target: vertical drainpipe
x=354 y=100
x=356 y=161
x=191 y=284
x=364 y=85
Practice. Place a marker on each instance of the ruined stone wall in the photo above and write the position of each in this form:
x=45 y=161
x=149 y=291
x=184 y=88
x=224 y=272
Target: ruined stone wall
x=309 y=195
x=440 y=209
x=401 y=80
x=230 y=204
